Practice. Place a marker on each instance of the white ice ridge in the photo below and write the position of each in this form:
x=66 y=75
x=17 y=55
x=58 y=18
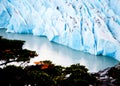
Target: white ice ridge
x=91 y=26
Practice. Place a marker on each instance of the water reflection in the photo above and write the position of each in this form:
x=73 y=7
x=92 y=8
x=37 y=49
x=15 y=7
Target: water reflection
x=59 y=54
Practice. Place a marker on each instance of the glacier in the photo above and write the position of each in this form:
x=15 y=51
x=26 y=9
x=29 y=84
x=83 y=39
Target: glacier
x=91 y=26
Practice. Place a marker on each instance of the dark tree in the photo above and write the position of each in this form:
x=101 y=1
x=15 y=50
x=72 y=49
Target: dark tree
x=44 y=73
x=77 y=75
x=11 y=51
x=13 y=76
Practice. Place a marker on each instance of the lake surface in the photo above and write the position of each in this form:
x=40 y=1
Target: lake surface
x=59 y=54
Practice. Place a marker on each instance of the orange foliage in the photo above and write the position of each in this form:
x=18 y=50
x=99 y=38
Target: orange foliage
x=39 y=62
x=43 y=65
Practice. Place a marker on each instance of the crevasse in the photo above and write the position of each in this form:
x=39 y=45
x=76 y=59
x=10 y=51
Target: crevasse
x=88 y=25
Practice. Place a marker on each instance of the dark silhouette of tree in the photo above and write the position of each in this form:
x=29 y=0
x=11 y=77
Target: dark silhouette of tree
x=11 y=51
x=77 y=75
x=13 y=76
x=36 y=76
x=44 y=73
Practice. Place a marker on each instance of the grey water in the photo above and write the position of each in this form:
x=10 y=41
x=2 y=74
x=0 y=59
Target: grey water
x=59 y=54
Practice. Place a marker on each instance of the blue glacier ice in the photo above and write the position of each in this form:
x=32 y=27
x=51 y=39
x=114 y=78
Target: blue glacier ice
x=91 y=26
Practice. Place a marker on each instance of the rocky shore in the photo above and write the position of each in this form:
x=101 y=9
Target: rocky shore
x=109 y=76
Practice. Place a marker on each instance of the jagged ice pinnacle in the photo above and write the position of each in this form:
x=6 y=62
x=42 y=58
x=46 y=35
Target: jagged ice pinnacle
x=91 y=26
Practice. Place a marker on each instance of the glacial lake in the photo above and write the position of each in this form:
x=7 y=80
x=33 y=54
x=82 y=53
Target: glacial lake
x=59 y=54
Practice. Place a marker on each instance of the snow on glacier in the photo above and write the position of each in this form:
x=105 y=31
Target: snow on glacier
x=88 y=25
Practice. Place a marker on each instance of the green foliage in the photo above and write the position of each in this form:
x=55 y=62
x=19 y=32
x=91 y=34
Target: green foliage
x=40 y=78
x=44 y=74
x=78 y=76
x=56 y=76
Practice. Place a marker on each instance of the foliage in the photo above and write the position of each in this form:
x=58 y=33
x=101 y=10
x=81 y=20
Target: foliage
x=11 y=51
x=78 y=75
x=52 y=76
x=13 y=76
x=44 y=73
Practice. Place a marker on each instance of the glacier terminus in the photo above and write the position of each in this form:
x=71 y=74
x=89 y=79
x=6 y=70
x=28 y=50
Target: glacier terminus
x=92 y=26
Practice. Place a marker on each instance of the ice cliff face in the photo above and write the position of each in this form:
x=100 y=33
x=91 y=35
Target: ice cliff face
x=91 y=26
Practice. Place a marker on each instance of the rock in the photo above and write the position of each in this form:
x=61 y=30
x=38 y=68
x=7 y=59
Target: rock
x=105 y=79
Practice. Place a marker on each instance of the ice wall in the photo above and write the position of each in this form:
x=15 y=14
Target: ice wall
x=91 y=26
